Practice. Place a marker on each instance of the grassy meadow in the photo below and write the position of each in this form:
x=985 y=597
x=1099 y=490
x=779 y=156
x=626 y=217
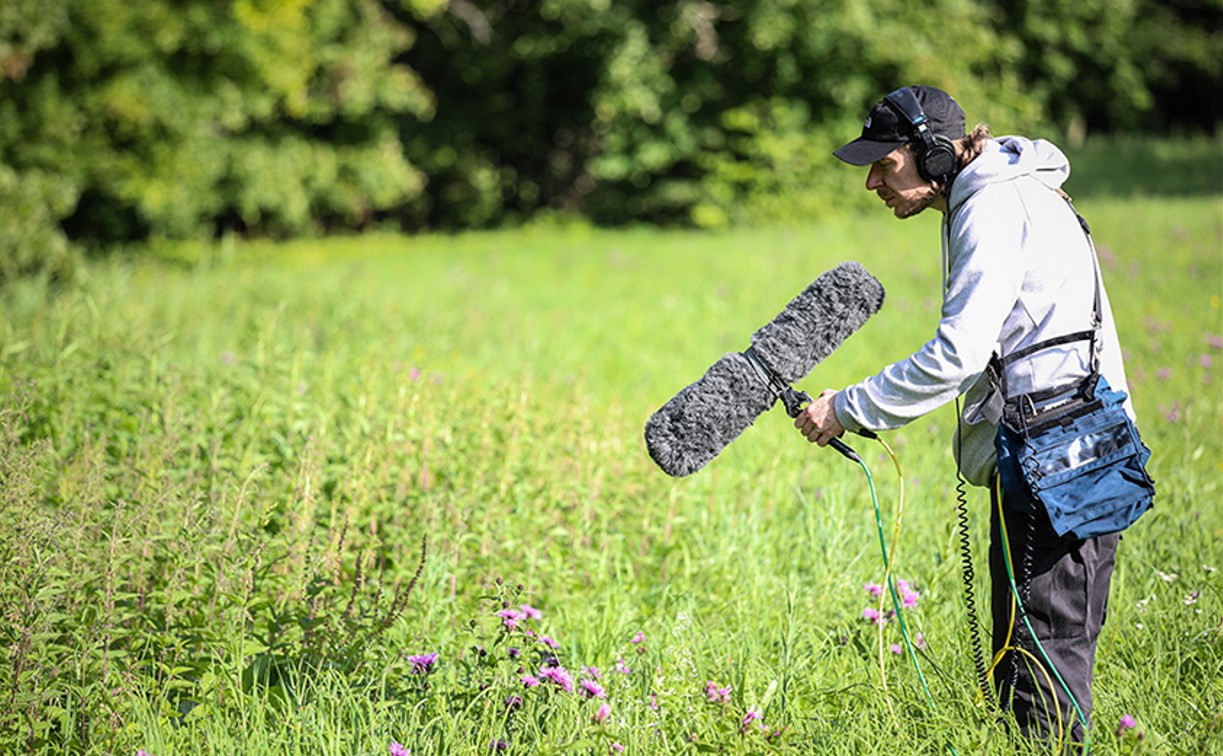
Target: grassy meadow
x=249 y=490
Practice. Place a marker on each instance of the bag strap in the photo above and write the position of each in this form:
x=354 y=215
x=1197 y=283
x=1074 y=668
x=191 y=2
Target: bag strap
x=998 y=363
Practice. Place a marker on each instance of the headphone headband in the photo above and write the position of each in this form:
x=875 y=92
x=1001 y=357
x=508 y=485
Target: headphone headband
x=936 y=160
x=905 y=103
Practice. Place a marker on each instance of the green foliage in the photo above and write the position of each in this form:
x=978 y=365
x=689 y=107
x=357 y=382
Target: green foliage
x=177 y=120
x=216 y=477
x=729 y=112
x=1121 y=65
x=30 y=238
x=168 y=120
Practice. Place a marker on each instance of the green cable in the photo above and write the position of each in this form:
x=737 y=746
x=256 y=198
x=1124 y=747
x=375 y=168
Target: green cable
x=1023 y=613
x=904 y=631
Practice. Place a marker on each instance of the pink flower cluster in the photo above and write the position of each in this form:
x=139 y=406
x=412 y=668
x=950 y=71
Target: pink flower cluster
x=592 y=689
x=422 y=664
x=908 y=598
x=553 y=672
x=715 y=693
x=908 y=595
x=558 y=676
x=513 y=618
x=752 y=715
x=1125 y=724
x=871 y=614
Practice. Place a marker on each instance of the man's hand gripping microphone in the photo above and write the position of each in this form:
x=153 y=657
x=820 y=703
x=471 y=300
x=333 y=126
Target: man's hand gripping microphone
x=795 y=401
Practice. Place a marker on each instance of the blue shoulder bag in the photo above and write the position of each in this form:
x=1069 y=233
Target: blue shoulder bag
x=1073 y=449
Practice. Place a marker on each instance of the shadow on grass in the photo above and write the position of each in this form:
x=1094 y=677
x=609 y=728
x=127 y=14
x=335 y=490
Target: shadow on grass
x=1143 y=167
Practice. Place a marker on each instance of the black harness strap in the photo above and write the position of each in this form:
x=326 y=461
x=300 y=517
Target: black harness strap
x=997 y=364
x=1048 y=343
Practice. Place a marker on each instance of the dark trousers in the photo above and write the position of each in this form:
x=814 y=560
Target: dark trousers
x=1063 y=586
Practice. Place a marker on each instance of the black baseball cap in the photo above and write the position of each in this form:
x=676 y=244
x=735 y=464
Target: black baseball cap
x=886 y=129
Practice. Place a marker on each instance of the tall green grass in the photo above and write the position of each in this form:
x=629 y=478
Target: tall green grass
x=218 y=478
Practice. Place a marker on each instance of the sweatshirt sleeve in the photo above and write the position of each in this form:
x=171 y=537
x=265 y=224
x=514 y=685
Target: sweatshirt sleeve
x=984 y=279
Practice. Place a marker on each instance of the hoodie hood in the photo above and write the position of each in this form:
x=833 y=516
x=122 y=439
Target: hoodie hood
x=1009 y=158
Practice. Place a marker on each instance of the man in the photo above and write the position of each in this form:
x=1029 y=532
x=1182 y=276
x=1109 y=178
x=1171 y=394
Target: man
x=1018 y=269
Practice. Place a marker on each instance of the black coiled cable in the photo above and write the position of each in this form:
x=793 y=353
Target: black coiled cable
x=970 y=592
x=1025 y=576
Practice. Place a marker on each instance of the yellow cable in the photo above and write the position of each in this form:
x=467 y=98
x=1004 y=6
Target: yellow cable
x=891 y=556
x=1010 y=630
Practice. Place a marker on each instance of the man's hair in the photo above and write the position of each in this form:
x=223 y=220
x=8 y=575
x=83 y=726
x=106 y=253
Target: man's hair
x=970 y=147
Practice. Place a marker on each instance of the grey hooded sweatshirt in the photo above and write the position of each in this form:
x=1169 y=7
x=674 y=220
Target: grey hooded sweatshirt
x=1017 y=269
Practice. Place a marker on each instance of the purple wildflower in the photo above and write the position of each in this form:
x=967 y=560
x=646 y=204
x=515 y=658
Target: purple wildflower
x=397 y=749
x=592 y=672
x=499 y=745
x=622 y=667
x=602 y=714
x=529 y=681
x=616 y=748
x=510 y=618
x=1213 y=340
x=548 y=641
x=871 y=614
x=896 y=649
x=1205 y=361
x=874 y=589
x=920 y=642
x=638 y=638
x=592 y=689
x=752 y=715
x=414 y=374
x=653 y=702
x=558 y=676
x=513 y=652
x=908 y=595
x=714 y=693
x=530 y=612
x=1164 y=373
x=1127 y=723
x=422 y=664
x=513 y=702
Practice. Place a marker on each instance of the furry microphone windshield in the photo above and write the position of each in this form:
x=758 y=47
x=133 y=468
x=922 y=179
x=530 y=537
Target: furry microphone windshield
x=687 y=432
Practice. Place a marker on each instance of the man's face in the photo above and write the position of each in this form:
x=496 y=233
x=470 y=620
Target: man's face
x=895 y=179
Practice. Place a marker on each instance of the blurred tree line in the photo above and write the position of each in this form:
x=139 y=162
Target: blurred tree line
x=133 y=120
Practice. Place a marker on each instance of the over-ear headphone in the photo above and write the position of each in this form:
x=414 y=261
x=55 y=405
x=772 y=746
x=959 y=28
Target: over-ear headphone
x=936 y=160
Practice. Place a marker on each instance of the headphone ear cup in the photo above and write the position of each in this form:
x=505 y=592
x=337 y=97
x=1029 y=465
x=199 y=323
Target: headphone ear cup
x=938 y=159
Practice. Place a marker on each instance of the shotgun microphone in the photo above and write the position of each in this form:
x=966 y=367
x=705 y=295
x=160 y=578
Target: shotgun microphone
x=693 y=427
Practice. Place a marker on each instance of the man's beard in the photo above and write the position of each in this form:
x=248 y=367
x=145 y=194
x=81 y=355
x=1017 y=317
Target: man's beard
x=917 y=204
